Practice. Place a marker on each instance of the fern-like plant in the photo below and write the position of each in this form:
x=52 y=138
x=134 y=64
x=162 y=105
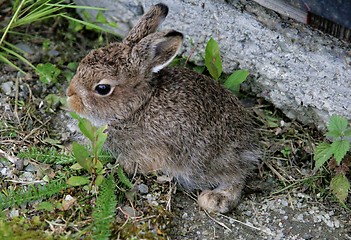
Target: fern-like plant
x=10 y=198
x=47 y=155
x=104 y=210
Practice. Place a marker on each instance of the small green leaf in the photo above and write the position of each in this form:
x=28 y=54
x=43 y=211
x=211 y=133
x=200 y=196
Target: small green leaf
x=75 y=116
x=100 y=17
x=347 y=132
x=336 y=126
x=86 y=15
x=70 y=71
x=75 y=26
x=322 y=153
x=54 y=142
x=340 y=186
x=123 y=178
x=199 y=69
x=87 y=129
x=47 y=72
x=72 y=66
x=68 y=75
x=76 y=166
x=99 y=167
x=99 y=179
x=235 y=79
x=271 y=121
x=101 y=138
x=213 y=60
x=113 y=24
x=340 y=148
x=333 y=134
x=77 y=181
x=53 y=100
x=82 y=156
x=45 y=206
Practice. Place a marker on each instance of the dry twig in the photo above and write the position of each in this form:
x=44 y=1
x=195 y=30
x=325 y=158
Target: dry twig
x=7 y=156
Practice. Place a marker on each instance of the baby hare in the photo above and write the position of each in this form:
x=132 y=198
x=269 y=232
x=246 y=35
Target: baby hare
x=172 y=121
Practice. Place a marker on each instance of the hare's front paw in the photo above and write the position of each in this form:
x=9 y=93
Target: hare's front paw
x=219 y=200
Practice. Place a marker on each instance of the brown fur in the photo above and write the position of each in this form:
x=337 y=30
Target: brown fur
x=175 y=121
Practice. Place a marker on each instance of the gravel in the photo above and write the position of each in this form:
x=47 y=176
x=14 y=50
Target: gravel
x=293 y=216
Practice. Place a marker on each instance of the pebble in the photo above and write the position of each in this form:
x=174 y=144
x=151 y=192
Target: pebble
x=3 y=171
x=31 y=168
x=143 y=189
x=300 y=217
x=131 y=212
x=68 y=197
x=14 y=213
x=25 y=47
x=53 y=53
x=27 y=176
x=6 y=87
x=248 y=213
x=151 y=199
x=19 y=164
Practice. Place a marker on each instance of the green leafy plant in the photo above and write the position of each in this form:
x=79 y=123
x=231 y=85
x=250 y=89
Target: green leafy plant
x=99 y=19
x=104 y=211
x=26 y=12
x=70 y=71
x=88 y=158
x=213 y=64
x=47 y=155
x=47 y=72
x=213 y=59
x=335 y=152
x=9 y=198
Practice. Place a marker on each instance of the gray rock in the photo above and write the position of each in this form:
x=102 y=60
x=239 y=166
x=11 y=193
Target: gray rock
x=53 y=53
x=25 y=48
x=19 y=164
x=301 y=71
x=143 y=189
x=6 y=87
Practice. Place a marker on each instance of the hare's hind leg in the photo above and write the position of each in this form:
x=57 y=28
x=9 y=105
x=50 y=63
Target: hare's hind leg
x=222 y=199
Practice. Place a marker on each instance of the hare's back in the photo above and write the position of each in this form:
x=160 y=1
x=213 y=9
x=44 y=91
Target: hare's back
x=191 y=98
x=191 y=89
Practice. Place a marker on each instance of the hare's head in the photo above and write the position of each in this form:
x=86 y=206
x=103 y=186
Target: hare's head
x=113 y=81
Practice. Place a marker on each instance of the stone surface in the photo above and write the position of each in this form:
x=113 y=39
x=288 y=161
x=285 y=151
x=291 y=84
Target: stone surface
x=301 y=71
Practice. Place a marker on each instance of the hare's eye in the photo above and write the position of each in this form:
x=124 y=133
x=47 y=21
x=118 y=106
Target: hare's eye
x=103 y=89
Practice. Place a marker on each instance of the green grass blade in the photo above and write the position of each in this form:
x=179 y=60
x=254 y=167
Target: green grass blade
x=77 y=7
x=13 y=19
x=13 y=47
x=104 y=210
x=32 y=7
x=91 y=25
x=8 y=62
x=38 y=15
x=23 y=59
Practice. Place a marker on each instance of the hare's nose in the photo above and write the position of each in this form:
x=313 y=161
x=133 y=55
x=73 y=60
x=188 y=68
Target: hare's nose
x=69 y=91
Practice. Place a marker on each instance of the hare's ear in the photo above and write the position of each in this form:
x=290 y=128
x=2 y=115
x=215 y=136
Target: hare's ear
x=157 y=50
x=165 y=51
x=147 y=24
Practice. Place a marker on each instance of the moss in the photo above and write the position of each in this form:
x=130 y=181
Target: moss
x=23 y=228
x=155 y=225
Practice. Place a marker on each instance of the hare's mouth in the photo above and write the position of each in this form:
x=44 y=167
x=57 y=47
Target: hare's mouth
x=76 y=104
